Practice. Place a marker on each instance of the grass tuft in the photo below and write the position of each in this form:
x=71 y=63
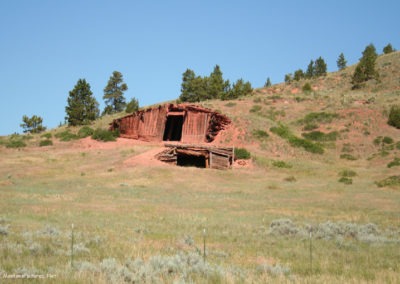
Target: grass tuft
x=318 y=117
x=393 y=181
x=105 y=135
x=294 y=141
x=260 y=134
x=394 y=163
x=347 y=156
x=66 y=136
x=85 y=131
x=281 y=164
x=46 y=142
x=242 y=154
x=320 y=136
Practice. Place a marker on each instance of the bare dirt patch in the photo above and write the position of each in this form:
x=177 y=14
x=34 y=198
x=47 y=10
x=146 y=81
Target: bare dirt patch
x=147 y=158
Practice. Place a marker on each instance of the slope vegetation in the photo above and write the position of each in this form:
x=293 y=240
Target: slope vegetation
x=318 y=201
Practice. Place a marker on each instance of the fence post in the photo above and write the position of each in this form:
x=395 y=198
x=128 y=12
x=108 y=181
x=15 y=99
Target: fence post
x=311 y=260
x=72 y=245
x=204 y=245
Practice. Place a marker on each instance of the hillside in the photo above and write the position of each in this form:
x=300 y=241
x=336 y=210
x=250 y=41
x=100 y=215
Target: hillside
x=324 y=162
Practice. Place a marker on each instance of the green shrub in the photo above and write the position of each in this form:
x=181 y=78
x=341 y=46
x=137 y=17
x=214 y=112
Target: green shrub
x=394 y=116
x=387 y=140
x=394 y=163
x=318 y=117
x=274 y=97
x=285 y=133
x=310 y=126
x=260 y=134
x=85 y=131
x=346 y=180
x=46 y=142
x=347 y=173
x=307 y=88
x=46 y=135
x=348 y=157
x=15 y=143
x=299 y=99
x=320 y=136
x=255 y=108
x=281 y=131
x=281 y=164
x=398 y=145
x=377 y=141
x=104 y=135
x=306 y=145
x=347 y=148
x=66 y=136
x=393 y=181
x=242 y=154
x=290 y=179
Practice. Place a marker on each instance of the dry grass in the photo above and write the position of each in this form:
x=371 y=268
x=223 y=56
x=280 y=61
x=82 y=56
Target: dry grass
x=128 y=211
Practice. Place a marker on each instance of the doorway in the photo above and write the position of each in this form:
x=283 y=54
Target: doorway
x=191 y=161
x=173 y=128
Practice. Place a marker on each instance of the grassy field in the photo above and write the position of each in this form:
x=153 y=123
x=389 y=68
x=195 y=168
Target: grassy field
x=291 y=216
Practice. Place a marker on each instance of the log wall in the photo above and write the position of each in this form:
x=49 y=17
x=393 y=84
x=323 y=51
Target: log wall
x=199 y=124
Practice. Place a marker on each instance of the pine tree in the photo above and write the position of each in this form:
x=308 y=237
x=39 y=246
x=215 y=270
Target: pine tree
x=298 y=75
x=200 y=88
x=365 y=69
x=194 y=88
x=217 y=86
x=310 y=72
x=187 y=94
x=114 y=93
x=239 y=89
x=82 y=107
x=388 y=49
x=132 y=106
x=320 y=67
x=288 y=78
x=268 y=83
x=341 y=62
x=32 y=124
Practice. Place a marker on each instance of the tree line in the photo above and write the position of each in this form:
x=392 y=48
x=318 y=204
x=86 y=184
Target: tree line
x=82 y=107
x=365 y=69
x=197 y=88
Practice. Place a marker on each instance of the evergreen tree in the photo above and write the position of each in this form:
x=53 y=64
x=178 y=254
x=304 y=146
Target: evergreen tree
x=341 y=62
x=298 y=75
x=240 y=89
x=217 y=86
x=187 y=94
x=132 y=106
x=82 y=107
x=365 y=69
x=320 y=67
x=114 y=93
x=288 y=78
x=388 y=49
x=268 y=83
x=310 y=72
x=200 y=88
x=194 y=88
x=32 y=124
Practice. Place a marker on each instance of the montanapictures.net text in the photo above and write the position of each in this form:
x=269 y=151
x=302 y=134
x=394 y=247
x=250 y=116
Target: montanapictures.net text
x=27 y=276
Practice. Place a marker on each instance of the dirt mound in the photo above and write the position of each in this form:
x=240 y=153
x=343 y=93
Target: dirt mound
x=147 y=158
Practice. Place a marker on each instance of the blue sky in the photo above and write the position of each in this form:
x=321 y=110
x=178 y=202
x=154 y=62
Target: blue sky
x=46 y=46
